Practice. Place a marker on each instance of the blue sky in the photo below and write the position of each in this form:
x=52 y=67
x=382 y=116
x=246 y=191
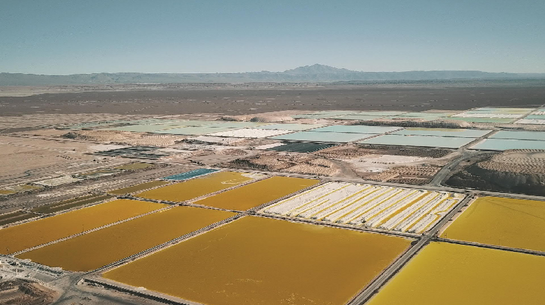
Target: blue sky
x=73 y=36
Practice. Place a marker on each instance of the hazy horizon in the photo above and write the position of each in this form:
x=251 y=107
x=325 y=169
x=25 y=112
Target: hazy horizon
x=63 y=37
x=266 y=71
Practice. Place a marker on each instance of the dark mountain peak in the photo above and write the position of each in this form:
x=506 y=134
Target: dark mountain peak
x=317 y=69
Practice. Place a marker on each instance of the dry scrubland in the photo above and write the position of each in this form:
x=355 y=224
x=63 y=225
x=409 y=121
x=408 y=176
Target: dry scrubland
x=125 y=138
x=517 y=171
x=214 y=99
x=26 y=292
x=277 y=162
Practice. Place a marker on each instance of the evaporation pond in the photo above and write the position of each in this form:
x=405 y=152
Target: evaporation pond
x=197 y=187
x=317 y=136
x=443 y=132
x=96 y=249
x=191 y=174
x=505 y=144
x=519 y=135
x=257 y=193
x=356 y=129
x=504 y=222
x=426 y=141
x=451 y=274
x=31 y=234
x=257 y=260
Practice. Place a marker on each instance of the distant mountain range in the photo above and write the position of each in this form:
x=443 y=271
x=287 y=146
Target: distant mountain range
x=313 y=73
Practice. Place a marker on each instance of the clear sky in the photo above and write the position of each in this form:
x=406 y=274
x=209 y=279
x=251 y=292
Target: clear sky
x=74 y=36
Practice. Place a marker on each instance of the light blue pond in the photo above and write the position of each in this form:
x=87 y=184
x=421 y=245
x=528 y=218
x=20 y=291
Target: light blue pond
x=505 y=144
x=519 y=135
x=501 y=110
x=290 y=126
x=359 y=117
x=443 y=132
x=535 y=117
x=425 y=141
x=190 y=174
x=483 y=120
x=356 y=129
x=195 y=130
x=239 y=124
x=333 y=137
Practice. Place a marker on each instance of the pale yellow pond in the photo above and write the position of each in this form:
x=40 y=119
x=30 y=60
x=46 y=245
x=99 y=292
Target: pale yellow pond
x=96 y=249
x=257 y=193
x=196 y=187
x=257 y=260
x=450 y=274
x=501 y=221
x=31 y=234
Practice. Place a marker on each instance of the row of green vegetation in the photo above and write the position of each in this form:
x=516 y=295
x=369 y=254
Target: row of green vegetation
x=138 y=187
x=71 y=203
x=14 y=217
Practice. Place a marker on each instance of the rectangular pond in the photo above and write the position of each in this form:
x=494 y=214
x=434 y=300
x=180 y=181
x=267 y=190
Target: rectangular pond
x=519 y=135
x=293 y=127
x=316 y=136
x=198 y=130
x=96 y=249
x=301 y=147
x=384 y=207
x=483 y=120
x=48 y=229
x=505 y=144
x=256 y=260
x=194 y=188
x=425 y=141
x=191 y=174
x=451 y=274
x=257 y=193
x=443 y=132
x=507 y=222
x=357 y=129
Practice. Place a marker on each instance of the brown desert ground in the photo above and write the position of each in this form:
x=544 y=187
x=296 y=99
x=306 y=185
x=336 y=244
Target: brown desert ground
x=282 y=97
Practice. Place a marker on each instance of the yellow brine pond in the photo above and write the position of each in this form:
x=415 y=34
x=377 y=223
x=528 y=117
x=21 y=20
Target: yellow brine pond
x=35 y=233
x=197 y=187
x=257 y=260
x=505 y=222
x=451 y=274
x=257 y=193
x=96 y=249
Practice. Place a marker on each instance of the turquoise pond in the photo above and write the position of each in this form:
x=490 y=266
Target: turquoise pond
x=425 y=141
x=461 y=133
x=519 y=135
x=331 y=137
x=505 y=144
x=357 y=129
